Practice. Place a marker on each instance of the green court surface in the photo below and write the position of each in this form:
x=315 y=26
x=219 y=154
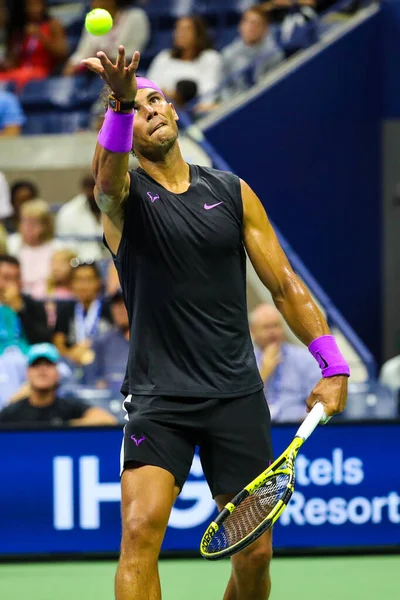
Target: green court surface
x=339 y=578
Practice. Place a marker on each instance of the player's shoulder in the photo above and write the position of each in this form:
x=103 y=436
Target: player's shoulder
x=226 y=177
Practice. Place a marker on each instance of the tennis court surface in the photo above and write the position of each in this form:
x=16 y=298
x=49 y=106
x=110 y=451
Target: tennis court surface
x=331 y=578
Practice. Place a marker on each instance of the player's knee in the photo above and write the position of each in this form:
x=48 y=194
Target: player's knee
x=143 y=534
x=253 y=561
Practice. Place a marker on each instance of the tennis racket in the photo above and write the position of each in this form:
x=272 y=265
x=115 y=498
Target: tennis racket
x=258 y=506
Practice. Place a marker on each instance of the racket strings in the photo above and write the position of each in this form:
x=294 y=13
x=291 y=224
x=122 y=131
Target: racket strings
x=250 y=513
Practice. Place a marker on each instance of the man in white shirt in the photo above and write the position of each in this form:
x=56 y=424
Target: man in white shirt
x=255 y=46
x=80 y=217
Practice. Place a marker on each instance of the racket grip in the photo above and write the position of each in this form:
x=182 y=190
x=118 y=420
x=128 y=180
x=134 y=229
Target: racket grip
x=316 y=416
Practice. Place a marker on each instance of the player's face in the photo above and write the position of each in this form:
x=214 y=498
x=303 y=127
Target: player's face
x=267 y=329
x=252 y=28
x=155 y=129
x=85 y=284
x=43 y=375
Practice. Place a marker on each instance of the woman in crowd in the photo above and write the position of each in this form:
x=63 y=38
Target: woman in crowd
x=190 y=60
x=131 y=29
x=59 y=284
x=21 y=191
x=60 y=279
x=81 y=321
x=34 y=245
x=36 y=43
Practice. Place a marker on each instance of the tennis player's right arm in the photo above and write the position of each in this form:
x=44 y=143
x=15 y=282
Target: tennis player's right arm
x=110 y=170
x=110 y=162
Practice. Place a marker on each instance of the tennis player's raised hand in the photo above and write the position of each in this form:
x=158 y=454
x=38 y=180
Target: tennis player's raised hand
x=120 y=77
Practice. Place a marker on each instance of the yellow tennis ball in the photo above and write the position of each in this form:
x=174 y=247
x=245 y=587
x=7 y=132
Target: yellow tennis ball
x=98 y=21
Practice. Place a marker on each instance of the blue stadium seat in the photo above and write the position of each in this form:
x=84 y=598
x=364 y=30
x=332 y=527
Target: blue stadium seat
x=370 y=400
x=226 y=36
x=160 y=41
x=49 y=122
x=52 y=92
x=218 y=6
x=169 y=8
x=65 y=93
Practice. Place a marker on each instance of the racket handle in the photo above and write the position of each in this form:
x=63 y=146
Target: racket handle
x=316 y=416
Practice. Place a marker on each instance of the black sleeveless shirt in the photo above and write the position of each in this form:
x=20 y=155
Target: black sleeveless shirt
x=182 y=268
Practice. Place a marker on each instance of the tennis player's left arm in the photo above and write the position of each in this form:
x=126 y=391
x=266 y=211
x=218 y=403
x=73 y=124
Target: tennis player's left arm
x=289 y=293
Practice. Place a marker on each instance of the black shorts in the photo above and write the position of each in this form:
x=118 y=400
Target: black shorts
x=233 y=435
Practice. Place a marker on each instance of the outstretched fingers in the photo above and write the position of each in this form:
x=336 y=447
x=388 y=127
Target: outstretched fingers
x=105 y=62
x=94 y=64
x=121 y=58
x=134 y=64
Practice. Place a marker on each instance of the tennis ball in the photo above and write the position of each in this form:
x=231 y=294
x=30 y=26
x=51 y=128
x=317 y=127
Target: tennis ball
x=98 y=21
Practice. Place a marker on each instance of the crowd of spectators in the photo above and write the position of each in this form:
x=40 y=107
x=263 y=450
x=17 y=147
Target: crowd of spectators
x=192 y=68
x=64 y=330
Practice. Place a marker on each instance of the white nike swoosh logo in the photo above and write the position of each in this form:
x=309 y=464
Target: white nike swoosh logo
x=210 y=206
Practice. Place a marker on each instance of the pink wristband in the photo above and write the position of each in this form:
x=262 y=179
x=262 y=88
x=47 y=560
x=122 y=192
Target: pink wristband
x=326 y=352
x=116 y=134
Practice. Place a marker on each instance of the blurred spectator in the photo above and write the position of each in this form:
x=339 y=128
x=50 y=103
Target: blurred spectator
x=34 y=245
x=6 y=209
x=289 y=371
x=390 y=374
x=21 y=192
x=81 y=217
x=59 y=285
x=12 y=373
x=131 y=29
x=111 y=350
x=36 y=44
x=29 y=319
x=80 y=322
x=43 y=405
x=255 y=46
x=191 y=59
x=11 y=114
x=298 y=22
x=3 y=239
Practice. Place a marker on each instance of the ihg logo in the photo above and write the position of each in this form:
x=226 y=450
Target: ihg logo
x=194 y=506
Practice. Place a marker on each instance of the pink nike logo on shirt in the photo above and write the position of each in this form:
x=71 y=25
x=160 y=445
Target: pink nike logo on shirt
x=210 y=206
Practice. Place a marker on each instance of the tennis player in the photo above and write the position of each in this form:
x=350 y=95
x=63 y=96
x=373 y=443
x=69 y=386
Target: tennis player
x=179 y=234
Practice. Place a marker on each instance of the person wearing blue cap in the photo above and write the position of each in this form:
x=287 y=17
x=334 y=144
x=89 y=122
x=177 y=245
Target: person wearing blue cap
x=43 y=405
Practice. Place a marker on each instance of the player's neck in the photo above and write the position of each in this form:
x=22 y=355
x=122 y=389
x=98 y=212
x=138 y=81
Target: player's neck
x=172 y=172
x=41 y=398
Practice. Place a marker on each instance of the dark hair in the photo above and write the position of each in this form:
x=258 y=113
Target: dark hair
x=258 y=10
x=186 y=90
x=203 y=40
x=77 y=264
x=17 y=185
x=9 y=260
x=123 y=3
x=18 y=19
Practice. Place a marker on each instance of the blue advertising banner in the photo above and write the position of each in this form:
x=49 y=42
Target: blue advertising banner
x=60 y=493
